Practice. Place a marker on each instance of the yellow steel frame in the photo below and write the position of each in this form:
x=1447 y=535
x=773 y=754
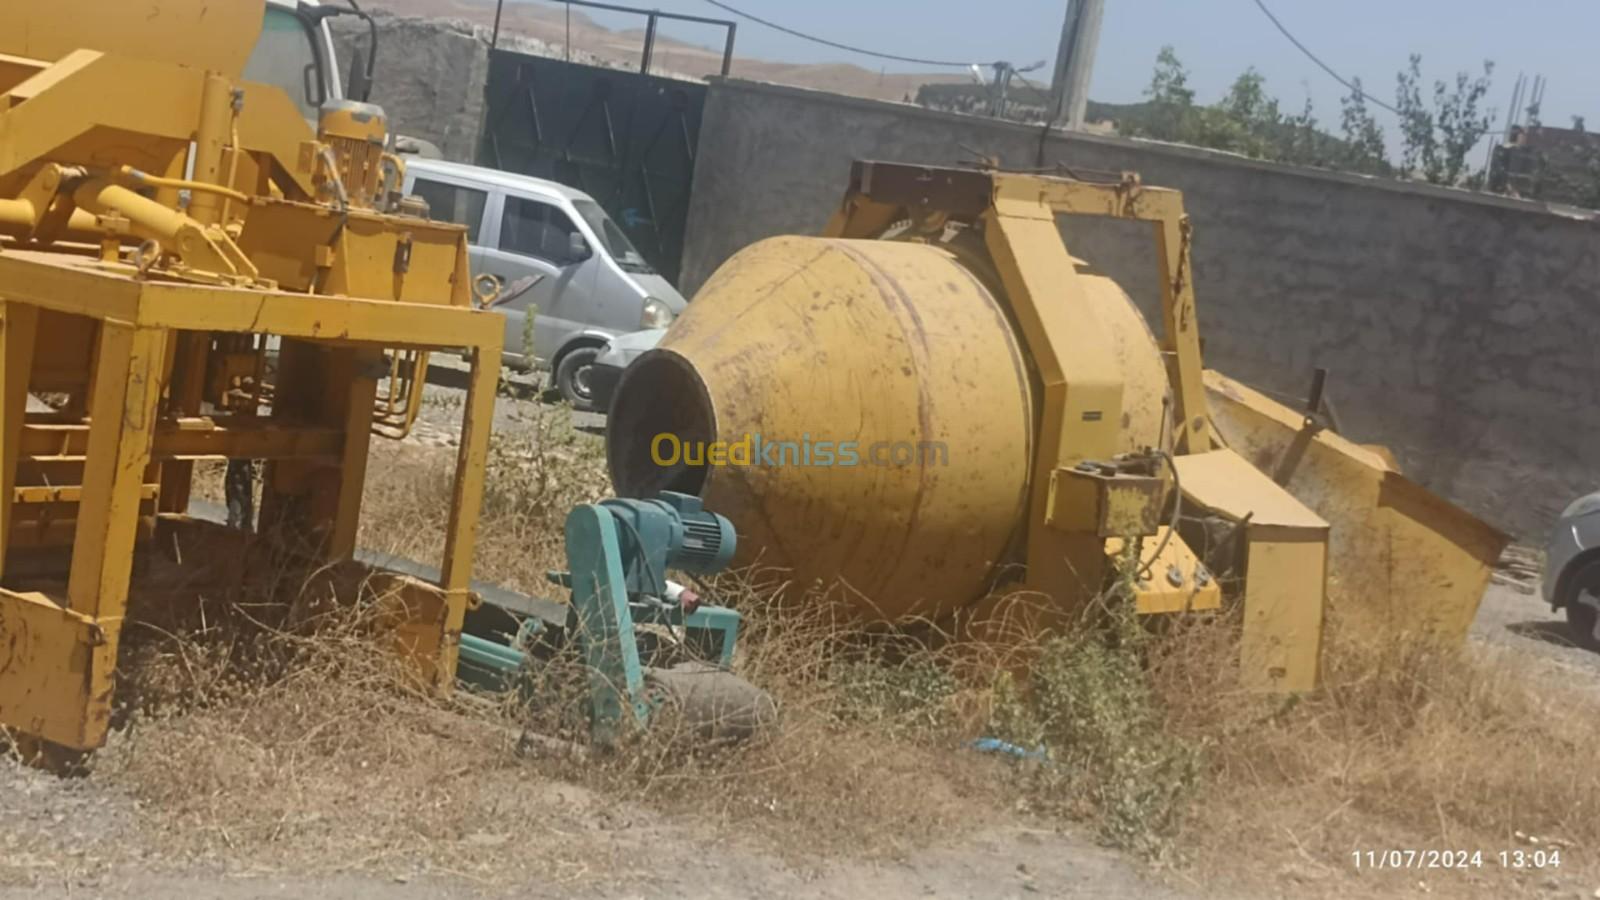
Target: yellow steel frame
x=63 y=647
x=58 y=666
x=105 y=116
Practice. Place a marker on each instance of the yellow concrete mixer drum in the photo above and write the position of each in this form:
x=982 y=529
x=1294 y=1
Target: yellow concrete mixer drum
x=863 y=411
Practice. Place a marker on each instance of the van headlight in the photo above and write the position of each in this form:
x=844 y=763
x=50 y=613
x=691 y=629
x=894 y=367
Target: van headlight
x=655 y=315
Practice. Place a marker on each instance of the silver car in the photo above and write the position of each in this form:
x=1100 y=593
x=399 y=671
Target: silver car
x=1572 y=569
x=618 y=355
x=553 y=251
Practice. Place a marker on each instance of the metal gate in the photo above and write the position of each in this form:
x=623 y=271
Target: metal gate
x=627 y=140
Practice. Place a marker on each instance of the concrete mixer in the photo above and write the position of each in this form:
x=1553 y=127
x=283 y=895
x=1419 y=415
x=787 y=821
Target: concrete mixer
x=935 y=407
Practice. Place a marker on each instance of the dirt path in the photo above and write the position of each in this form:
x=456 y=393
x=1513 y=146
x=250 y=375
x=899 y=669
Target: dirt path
x=70 y=839
x=1017 y=864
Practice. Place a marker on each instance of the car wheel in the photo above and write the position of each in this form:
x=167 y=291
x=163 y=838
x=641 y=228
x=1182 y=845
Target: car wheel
x=572 y=377
x=1583 y=605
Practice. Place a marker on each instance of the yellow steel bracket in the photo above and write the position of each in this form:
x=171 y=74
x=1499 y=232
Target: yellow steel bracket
x=57 y=666
x=1080 y=382
x=1285 y=558
x=1108 y=503
x=1163 y=207
x=1169 y=578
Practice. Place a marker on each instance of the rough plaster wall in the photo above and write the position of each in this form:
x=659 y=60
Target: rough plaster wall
x=429 y=77
x=1463 y=332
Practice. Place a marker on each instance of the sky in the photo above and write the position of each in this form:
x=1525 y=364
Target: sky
x=1215 y=39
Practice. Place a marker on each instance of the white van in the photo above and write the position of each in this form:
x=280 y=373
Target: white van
x=551 y=249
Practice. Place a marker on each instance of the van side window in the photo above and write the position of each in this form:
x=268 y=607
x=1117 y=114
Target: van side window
x=536 y=229
x=448 y=203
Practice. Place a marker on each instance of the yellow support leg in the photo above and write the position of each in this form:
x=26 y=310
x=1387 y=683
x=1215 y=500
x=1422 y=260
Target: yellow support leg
x=361 y=390
x=1081 y=408
x=467 y=501
x=127 y=385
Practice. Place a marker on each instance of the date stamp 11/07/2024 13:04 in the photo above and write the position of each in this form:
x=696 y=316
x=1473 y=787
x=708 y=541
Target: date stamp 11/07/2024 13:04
x=1519 y=858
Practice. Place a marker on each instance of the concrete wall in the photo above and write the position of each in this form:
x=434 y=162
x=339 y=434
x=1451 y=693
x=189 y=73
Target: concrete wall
x=429 y=77
x=1462 y=330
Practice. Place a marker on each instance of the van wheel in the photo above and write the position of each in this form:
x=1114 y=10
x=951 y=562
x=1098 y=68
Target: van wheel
x=572 y=377
x=1583 y=606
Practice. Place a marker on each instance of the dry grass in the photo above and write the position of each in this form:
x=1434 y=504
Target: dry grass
x=537 y=472
x=863 y=760
x=333 y=761
x=326 y=737
x=314 y=751
x=1407 y=745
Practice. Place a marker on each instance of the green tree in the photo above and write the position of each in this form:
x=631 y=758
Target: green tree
x=1364 y=149
x=1171 y=99
x=1247 y=99
x=1247 y=120
x=1418 y=143
x=1437 y=139
x=1437 y=133
x=1461 y=125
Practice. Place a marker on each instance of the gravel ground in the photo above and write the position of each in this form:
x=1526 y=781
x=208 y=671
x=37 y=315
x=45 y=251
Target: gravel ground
x=1514 y=614
x=62 y=838
x=1002 y=865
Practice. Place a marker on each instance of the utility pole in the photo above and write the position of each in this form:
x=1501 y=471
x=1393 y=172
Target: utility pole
x=1069 y=89
x=1002 y=85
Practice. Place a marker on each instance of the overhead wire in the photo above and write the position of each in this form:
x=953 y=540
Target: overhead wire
x=837 y=45
x=1355 y=89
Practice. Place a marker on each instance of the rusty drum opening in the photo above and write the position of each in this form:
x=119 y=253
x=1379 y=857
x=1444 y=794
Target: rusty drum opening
x=661 y=415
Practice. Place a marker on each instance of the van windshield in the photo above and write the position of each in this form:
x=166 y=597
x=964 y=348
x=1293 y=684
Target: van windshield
x=617 y=243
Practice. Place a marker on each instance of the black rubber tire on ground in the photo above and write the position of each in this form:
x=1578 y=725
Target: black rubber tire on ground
x=713 y=705
x=1580 y=616
x=571 y=380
